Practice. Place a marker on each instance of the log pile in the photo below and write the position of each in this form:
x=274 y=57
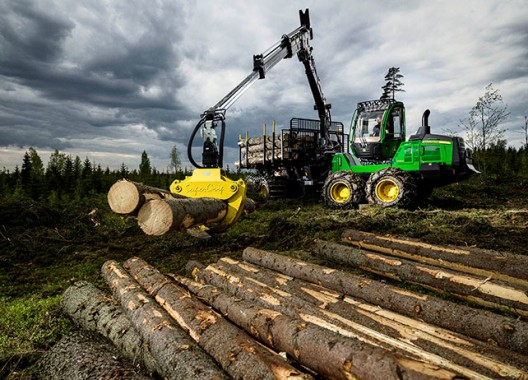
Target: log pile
x=262 y=149
x=159 y=211
x=275 y=317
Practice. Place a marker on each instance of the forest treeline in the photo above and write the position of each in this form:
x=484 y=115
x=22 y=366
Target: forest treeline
x=66 y=178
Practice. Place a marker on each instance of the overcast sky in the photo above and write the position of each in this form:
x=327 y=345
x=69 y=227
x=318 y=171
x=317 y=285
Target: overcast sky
x=109 y=79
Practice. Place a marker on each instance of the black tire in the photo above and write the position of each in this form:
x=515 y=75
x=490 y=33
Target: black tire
x=344 y=190
x=392 y=187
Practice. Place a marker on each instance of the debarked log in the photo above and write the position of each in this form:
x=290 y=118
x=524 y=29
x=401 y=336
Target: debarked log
x=84 y=355
x=498 y=265
x=288 y=294
x=177 y=355
x=327 y=353
x=94 y=310
x=238 y=354
x=126 y=197
x=483 y=291
x=157 y=217
x=484 y=325
x=380 y=332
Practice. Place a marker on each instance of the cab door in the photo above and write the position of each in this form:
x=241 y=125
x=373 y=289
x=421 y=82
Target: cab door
x=393 y=133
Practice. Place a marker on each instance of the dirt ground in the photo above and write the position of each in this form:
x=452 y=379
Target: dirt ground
x=44 y=250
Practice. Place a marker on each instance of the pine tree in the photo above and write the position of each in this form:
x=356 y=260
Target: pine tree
x=145 y=170
x=393 y=83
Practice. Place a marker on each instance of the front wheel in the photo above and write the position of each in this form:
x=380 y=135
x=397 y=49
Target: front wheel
x=392 y=187
x=344 y=190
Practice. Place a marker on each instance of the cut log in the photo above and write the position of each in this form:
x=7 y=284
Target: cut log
x=238 y=354
x=447 y=351
x=126 y=197
x=157 y=217
x=327 y=353
x=84 y=355
x=483 y=291
x=507 y=332
x=176 y=353
x=502 y=266
x=96 y=311
x=464 y=351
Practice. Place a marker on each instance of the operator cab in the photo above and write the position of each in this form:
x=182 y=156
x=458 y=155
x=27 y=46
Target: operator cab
x=378 y=128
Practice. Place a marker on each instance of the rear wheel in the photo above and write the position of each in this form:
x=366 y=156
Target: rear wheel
x=392 y=187
x=344 y=190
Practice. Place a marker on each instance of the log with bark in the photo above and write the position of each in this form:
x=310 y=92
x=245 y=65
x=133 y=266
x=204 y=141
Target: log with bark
x=326 y=352
x=176 y=353
x=502 y=266
x=483 y=291
x=238 y=354
x=484 y=325
x=157 y=217
x=84 y=355
x=127 y=197
x=96 y=311
x=469 y=358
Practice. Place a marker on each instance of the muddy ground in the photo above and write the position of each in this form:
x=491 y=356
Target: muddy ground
x=43 y=250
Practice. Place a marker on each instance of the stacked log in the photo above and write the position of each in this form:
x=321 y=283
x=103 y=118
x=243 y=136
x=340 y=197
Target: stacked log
x=93 y=310
x=274 y=317
x=502 y=266
x=485 y=291
x=233 y=349
x=177 y=355
x=481 y=324
x=412 y=339
x=261 y=149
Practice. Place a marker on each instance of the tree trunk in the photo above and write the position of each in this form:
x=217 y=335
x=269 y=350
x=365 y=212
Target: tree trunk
x=467 y=352
x=480 y=324
x=327 y=353
x=484 y=291
x=502 y=266
x=443 y=350
x=176 y=353
x=96 y=311
x=84 y=355
x=238 y=354
x=157 y=217
x=126 y=197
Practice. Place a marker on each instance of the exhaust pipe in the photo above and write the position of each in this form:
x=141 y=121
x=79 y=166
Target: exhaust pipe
x=425 y=122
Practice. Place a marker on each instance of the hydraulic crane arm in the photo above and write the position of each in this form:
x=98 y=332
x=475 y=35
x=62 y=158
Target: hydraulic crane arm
x=294 y=43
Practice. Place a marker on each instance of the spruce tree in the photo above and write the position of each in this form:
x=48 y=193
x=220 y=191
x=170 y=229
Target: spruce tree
x=393 y=83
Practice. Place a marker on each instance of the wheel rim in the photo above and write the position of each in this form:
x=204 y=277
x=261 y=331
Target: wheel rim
x=387 y=190
x=340 y=192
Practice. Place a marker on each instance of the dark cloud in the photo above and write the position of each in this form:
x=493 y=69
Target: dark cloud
x=125 y=76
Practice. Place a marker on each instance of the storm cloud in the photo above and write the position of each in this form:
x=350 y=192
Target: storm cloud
x=107 y=80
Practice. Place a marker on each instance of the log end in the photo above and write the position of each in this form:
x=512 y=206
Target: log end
x=155 y=217
x=123 y=197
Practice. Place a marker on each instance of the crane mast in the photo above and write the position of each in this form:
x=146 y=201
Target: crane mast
x=294 y=43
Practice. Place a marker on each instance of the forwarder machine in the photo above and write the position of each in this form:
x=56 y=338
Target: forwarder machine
x=381 y=167
x=373 y=163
